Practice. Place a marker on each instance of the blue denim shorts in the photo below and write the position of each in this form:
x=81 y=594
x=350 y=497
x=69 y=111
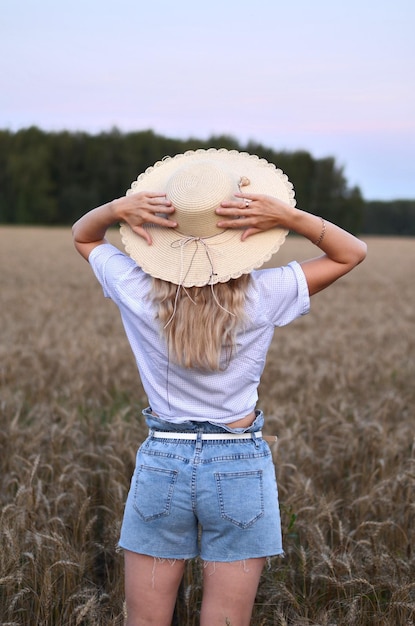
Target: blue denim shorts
x=214 y=499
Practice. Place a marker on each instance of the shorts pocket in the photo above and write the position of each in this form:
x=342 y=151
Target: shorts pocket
x=153 y=491
x=241 y=496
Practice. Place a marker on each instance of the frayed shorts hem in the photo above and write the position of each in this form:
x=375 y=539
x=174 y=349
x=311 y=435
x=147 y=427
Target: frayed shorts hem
x=159 y=555
x=211 y=559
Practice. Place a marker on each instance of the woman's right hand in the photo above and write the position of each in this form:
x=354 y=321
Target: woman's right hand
x=136 y=210
x=145 y=207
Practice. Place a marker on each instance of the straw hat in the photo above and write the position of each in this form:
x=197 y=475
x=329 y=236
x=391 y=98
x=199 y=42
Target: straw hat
x=197 y=252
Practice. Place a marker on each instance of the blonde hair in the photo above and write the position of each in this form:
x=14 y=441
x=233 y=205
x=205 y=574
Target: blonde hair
x=200 y=323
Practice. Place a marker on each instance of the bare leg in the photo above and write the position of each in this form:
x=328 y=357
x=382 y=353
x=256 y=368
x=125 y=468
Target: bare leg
x=151 y=587
x=229 y=591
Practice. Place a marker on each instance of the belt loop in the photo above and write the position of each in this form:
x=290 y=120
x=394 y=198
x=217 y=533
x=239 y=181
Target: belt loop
x=199 y=434
x=255 y=439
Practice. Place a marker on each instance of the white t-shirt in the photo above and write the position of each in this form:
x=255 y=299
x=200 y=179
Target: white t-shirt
x=275 y=297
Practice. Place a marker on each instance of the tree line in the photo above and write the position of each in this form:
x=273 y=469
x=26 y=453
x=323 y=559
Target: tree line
x=51 y=178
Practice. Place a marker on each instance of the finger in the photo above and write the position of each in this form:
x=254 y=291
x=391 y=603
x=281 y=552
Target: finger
x=158 y=202
x=242 y=222
x=234 y=204
x=162 y=221
x=142 y=232
x=152 y=218
x=249 y=196
x=150 y=199
x=157 y=207
x=248 y=232
x=168 y=208
x=154 y=194
x=236 y=210
x=147 y=194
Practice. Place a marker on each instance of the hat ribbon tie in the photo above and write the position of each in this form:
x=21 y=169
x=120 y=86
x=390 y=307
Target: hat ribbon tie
x=183 y=242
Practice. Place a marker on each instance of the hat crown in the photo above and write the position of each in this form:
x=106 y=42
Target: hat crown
x=195 y=192
x=196 y=252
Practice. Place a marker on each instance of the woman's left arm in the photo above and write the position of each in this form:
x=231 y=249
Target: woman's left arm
x=257 y=213
x=342 y=250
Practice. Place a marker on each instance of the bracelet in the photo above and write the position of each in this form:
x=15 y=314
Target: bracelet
x=323 y=232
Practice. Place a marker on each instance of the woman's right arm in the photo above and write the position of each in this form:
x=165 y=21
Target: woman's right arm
x=135 y=210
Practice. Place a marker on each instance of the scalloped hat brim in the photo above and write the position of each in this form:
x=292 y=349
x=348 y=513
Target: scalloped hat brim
x=218 y=258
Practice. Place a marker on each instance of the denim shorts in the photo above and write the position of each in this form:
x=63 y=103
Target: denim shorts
x=214 y=499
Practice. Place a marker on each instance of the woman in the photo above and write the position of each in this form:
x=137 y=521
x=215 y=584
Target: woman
x=200 y=317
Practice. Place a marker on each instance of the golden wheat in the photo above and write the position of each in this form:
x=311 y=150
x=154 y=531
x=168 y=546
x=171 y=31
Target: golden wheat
x=338 y=389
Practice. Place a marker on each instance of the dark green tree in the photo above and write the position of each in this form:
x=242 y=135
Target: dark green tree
x=53 y=178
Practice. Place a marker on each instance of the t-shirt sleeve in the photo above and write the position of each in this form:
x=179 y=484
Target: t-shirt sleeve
x=110 y=265
x=284 y=293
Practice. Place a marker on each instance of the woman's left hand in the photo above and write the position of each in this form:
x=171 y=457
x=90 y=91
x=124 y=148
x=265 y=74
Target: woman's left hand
x=254 y=213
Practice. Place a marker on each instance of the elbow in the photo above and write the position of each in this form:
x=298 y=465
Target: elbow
x=356 y=255
x=76 y=237
x=74 y=229
x=361 y=252
x=77 y=232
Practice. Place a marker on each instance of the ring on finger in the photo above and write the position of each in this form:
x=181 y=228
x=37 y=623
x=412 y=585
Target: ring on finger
x=247 y=203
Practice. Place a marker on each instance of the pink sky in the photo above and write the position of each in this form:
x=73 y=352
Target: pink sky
x=336 y=79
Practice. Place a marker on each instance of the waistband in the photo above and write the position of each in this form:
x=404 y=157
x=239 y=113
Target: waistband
x=159 y=434
x=193 y=426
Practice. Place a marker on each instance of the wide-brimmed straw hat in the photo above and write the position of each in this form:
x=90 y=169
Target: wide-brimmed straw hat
x=197 y=252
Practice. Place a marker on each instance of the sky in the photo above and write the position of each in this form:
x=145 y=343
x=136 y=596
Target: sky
x=331 y=77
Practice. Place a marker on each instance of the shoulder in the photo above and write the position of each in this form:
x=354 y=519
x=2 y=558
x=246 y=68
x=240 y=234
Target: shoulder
x=281 y=278
x=105 y=251
x=108 y=258
x=281 y=293
x=115 y=270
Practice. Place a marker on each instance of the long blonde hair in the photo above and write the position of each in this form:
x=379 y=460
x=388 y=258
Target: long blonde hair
x=200 y=323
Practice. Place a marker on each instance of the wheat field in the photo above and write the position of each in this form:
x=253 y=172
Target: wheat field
x=338 y=390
